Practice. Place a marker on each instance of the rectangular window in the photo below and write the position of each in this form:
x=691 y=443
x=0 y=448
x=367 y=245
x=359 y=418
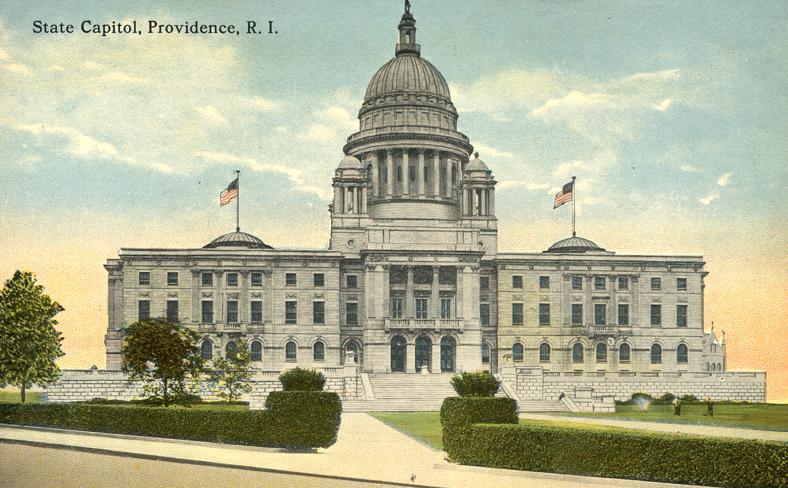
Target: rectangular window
x=232 y=311
x=318 y=312
x=681 y=284
x=484 y=314
x=623 y=314
x=207 y=312
x=351 y=313
x=577 y=282
x=656 y=314
x=599 y=282
x=544 y=314
x=445 y=308
x=544 y=282
x=172 y=278
x=577 y=314
x=600 y=314
x=290 y=279
x=290 y=311
x=257 y=278
x=206 y=279
x=517 y=314
x=256 y=311
x=681 y=315
x=656 y=284
x=484 y=283
x=351 y=281
x=422 y=305
x=517 y=281
x=397 y=306
x=319 y=280
x=143 y=309
x=172 y=310
x=232 y=279
x=623 y=283
x=144 y=278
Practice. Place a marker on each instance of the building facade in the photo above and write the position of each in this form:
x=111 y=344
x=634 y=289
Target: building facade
x=413 y=280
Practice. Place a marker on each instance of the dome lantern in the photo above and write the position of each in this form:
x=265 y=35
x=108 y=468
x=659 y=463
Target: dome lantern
x=407 y=34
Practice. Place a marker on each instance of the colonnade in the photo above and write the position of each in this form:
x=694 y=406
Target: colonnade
x=417 y=173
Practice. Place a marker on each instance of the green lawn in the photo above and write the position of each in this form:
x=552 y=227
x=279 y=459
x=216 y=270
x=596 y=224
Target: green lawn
x=11 y=396
x=423 y=426
x=763 y=416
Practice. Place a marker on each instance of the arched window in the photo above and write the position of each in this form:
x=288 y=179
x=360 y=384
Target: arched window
x=319 y=351
x=485 y=353
x=656 y=354
x=682 y=354
x=601 y=353
x=517 y=352
x=206 y=350
x=352 y=347
x=577 y=353
x=290 y=351
x=623 y=353
x=230 y=350
x=256 y=351
x=544 y=352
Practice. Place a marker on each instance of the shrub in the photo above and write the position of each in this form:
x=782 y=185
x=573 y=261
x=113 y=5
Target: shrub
x=308 y=421
x=304 y=418
x=644 y=396
x=299 y=379
x=660 y=457
x=667 y=398
x=479 y=384
x=458 y=414
x=689 y=398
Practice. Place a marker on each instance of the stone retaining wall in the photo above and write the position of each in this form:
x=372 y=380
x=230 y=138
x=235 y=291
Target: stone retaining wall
x=83 y=385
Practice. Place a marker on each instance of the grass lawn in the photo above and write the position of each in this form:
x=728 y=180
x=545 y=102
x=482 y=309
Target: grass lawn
x=11 y=396
x=424 y=426
x=763 y=416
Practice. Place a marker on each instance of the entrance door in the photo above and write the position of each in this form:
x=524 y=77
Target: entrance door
x=448 y=347
x=423 y=353
x=398 y=355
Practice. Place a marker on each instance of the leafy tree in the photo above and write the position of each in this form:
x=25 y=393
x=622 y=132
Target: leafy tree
x=29 y=342
x=164 y=356
x=232 y=374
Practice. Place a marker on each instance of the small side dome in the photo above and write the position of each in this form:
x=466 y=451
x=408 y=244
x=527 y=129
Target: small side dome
x=350 y=162
x=476 y=164
x=575 y=245
x=237 y=239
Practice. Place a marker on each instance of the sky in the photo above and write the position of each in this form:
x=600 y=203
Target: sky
x=670 y=114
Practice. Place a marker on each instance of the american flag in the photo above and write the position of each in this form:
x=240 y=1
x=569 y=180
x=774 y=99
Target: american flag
x=229 y=194
x=565 y=195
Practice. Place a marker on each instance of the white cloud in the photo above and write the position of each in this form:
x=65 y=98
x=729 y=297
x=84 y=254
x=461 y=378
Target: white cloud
x=92 y=65
x=319 y=133
x=528 y=185
x=663 y=105
x=574 y=101
x=688 y=168
x=78 y=144
x=17 y=68
x=119 y=77
x=486 y=151
x=713 y=195
x=338 y=115
x=264 y=104
x=724 y=179
x=211 y=114
x=4 y=55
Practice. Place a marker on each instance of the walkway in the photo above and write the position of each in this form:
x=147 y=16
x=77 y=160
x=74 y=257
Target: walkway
x=708 y=430
x=366 y=449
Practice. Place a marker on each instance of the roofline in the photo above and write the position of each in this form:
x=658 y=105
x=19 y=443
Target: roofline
x=136 y=251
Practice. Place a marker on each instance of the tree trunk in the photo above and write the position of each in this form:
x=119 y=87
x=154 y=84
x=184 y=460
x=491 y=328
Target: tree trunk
x=22 y=391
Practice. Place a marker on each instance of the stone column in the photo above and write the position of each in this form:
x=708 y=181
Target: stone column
x=195 y=308
x=449 y=184
x=375 y=175
x=410 y=357
x=338 y=200
x=243 y=300
x=483 y=205
x=491 y=210
x=218 y=300
x=436 y=306
x=436 y=357
x=405 y=172
x=268 y=294
x=389 y=173
x=363 y=203
x=459 y=295
x=436 y=175
x=464 y=203
x=589 y=306
x=409 y=312
x=420 y=175
x=634 y=308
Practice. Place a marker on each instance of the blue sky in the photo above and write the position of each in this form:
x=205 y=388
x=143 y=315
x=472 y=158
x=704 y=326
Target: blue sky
x=671 y=115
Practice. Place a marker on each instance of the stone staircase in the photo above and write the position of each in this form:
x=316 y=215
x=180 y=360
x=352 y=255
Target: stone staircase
x=404 y=392
x=541 y=406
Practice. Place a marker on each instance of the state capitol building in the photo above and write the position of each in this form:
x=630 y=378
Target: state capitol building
x=413 y=280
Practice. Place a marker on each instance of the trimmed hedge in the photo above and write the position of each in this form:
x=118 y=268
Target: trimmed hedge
x=300 y=379
x=305 y=420
x=480 y=383
x=611 y=453
x=459 y=413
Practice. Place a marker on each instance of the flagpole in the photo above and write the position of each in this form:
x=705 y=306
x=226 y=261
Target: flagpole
x=238 y=202
x=574 y=201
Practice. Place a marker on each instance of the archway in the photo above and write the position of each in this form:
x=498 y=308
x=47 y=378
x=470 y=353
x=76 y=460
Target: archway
x=352 y=346
x=423 y=353
x=398 y=354
x=448 y=354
